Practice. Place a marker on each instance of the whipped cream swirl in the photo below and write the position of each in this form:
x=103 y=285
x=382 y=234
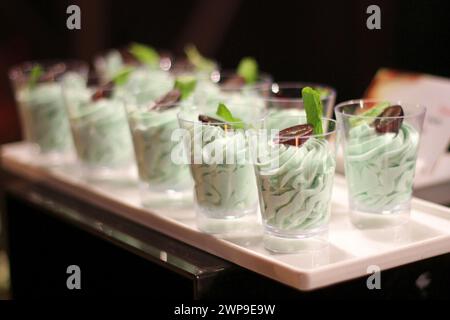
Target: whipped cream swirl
x=101 y=133
x=223 y=188
x=295 y=185
x=380 y=167
x=151 y=132
x=44 y=115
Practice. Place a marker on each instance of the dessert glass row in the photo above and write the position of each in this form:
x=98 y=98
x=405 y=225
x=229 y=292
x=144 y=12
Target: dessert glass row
x=242 y=143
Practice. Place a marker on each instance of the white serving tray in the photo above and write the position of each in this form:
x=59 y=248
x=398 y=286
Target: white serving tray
x=349 y=254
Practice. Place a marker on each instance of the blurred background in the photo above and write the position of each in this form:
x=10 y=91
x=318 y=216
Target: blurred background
x=320 y=41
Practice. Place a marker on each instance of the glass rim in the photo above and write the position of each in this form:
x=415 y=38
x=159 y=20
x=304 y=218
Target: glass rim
x=324 y=119
x=298 y=85
x=264 y=79
x=22 y=70
x=99 y=58
x=420 y=107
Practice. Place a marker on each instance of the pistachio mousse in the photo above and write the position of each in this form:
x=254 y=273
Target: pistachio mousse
x=295 y=174
x=100 y=129
x=42 y=107
x=225 y=187
x=152 y=125
x=380 y=158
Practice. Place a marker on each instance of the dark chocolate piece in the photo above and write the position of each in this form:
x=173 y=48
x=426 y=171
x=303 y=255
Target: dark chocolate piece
x=167 y=101
x=390 y=120
x=296 y=135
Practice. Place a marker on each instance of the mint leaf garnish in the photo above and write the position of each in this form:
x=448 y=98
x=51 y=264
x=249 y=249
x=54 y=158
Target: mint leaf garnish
x=145 y=54
x=186 y=85
x=248 y=69
x=122 y=76
x=313 y=108
x=197 y=60
x=225 y=114
x=35 y=73
x=375 y=111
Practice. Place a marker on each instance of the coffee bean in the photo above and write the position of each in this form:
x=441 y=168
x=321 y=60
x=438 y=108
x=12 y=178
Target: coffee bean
x=296 y=135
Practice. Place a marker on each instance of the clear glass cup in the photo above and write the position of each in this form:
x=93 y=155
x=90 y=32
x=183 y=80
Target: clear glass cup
x=163 y=173
x=181 y=65
x=284 y=99
x=245 y=101
x=379 y=164
x=225 y=190
x=41 y=106
x=295 y=180
x=101 y=134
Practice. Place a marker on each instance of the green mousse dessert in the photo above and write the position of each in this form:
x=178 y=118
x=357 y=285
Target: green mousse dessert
x=295 y=170
x=380 y=158
x=43 y=112
x=101 y=133
x=152 y=125
x=225 y=186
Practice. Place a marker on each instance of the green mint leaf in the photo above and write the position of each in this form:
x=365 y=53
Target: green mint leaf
x=313 y=108
x=225 y=114
x=368 y=114
x=248 y=69
x=197 y=60
x=122 y=76
x=186 y=85
x=36 y=72
x=144 y=54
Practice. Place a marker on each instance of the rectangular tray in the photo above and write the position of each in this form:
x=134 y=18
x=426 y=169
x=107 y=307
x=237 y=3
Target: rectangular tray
x=349 y=254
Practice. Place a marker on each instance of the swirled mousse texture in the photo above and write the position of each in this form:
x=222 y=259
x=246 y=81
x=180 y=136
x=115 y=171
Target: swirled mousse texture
x=380 y=167
x=101 y=133
x=44 y=115
x=223 y=189
x=295 y=185
x=152 y=132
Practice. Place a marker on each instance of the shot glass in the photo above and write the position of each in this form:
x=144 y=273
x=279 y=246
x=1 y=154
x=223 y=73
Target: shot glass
x=294 y=173
x=38 y=93
x=284 y=100
x=101 y=135
x=225 y=192
x=163 y=171
x=380 y=151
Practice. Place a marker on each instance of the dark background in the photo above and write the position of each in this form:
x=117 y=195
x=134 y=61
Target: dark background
x=320 y=41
